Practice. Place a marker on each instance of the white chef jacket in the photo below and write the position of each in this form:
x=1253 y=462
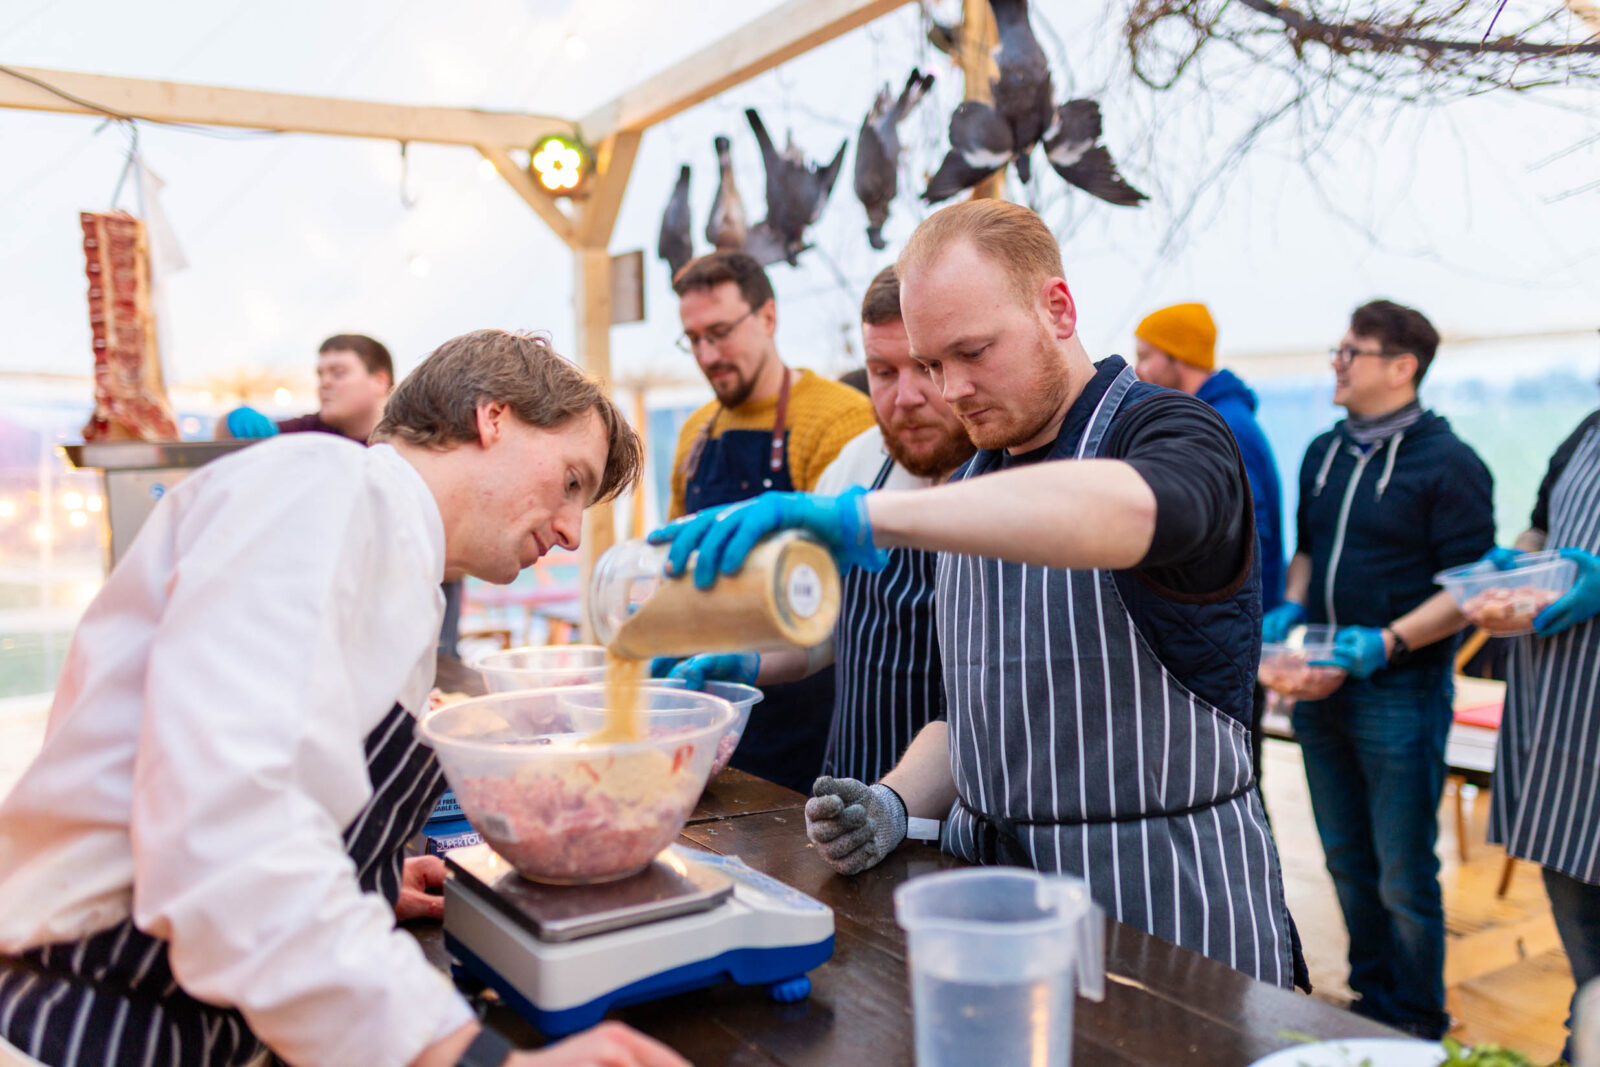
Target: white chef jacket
x=205 y=750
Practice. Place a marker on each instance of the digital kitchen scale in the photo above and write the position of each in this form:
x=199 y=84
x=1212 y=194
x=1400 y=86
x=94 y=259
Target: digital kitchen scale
x=563 y=956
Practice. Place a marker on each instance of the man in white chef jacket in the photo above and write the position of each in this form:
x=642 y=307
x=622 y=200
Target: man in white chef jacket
x=200 y=867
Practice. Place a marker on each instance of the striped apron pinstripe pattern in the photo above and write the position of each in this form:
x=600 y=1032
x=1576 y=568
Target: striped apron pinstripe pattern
x=1075 y=751
x=110 y=998
x=886 y=654
x=1546 y=787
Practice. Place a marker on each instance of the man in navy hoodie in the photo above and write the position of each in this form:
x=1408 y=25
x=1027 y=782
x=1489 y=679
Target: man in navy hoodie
x=1388 y=498
x=1177 y=348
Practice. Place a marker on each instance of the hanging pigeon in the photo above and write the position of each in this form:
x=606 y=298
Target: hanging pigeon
x=726 y=227
x=980 y=144
x=676 y=243
x=878 y=153
x=1022 y=94
x=796 y=192
x=992 y=135
x=1071 y=146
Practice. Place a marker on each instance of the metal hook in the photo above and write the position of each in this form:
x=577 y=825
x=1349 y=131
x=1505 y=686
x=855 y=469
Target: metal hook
x=407 y=201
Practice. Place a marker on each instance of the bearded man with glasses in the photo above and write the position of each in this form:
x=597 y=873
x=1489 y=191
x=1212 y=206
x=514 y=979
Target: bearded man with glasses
x=1388 y=498
x=770 y=427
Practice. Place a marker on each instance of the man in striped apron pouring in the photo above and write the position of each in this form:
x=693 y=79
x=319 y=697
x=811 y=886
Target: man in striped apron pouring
x=1098 y=605
x=1546 y=788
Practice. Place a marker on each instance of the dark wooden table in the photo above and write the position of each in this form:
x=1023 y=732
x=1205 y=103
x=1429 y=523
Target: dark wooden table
x=1164 y=1004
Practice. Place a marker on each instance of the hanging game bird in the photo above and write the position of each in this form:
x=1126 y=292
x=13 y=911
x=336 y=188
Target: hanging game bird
x=1071 y=145
x=985 y=137
x=676 y=243
x=796 y=193
x=878 y=153
x=726 y=228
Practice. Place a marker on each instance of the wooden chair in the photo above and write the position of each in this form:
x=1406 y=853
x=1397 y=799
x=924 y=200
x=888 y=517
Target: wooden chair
x=1472 y=696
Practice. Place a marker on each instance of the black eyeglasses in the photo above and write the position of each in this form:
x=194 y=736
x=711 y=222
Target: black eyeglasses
x=1344 y=355
x=714 y=335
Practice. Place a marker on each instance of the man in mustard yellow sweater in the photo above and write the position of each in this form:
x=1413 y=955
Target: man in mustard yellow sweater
x=770 y=427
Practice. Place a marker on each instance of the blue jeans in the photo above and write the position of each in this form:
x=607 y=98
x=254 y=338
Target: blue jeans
x=1576 y=907
x=1374 y=756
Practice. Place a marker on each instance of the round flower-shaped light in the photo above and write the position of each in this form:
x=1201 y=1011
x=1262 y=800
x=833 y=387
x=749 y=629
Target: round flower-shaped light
x=558 y=165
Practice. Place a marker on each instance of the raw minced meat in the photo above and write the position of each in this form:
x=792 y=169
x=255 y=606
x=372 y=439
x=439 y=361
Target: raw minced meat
x=1290 y=673
x=591 y=821
x=1507 y=610
x=725 y=747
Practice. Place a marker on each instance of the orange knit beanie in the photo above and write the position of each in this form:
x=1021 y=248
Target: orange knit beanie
x=1183 y=331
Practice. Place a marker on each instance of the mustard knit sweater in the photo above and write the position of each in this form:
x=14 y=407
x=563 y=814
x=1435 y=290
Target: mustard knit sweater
x=823 y=415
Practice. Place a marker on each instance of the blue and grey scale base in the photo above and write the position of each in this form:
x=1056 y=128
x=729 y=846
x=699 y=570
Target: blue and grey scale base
x=764 y=934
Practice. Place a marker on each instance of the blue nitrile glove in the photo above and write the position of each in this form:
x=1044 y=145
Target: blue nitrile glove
x=1502 y=558
x=1578 y=604
x=725 y=536
x=1276 y=624
x=1359 y=650
x=696 y=671
x=248 y=422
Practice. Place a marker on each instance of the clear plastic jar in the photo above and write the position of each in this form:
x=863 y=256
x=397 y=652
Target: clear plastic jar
x=786 y=595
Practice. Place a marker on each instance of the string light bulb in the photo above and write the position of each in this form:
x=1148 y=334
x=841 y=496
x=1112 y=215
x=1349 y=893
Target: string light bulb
x=560 y=165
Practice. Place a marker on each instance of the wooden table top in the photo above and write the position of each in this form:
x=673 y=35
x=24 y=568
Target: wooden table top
x=1164 y=1004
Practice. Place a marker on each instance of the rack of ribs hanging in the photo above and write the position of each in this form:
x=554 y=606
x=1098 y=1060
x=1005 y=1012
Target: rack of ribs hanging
x=130 y=399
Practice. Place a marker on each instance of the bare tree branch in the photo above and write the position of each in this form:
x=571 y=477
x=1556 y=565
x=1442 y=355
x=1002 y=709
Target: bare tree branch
x=1346 y=36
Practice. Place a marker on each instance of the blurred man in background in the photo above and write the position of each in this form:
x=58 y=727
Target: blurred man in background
x=1388 y=498
x=354 y=376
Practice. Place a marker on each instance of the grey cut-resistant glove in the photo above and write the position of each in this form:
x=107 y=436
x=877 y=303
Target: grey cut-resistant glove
x=854 y=825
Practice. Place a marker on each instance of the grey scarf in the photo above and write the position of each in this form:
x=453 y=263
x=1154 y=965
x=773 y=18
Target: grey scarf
x=1368 y=431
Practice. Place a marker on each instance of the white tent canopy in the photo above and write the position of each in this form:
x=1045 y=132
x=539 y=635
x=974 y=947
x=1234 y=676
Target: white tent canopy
x=294 y=237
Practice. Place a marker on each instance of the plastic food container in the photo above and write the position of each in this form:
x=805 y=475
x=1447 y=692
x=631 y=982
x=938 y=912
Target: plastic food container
x=589 y=709
x=1286 y=666
x=565 y=811
x=1505 y=602
x=542 y=666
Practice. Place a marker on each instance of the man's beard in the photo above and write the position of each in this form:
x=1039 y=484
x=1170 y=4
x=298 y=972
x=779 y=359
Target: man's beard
x=741 y=388
x=736 y=392
x=953 y=450
x=1044 y=394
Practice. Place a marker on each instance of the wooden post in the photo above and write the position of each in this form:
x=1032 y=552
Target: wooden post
x=591 y=297
x=641 y=422
x=592 y=306
x=979 y=37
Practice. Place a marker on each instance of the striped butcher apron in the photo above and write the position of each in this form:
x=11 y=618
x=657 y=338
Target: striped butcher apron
x=110 y=998
x=1075 y=751
x=1546 y=790
x=886 y=654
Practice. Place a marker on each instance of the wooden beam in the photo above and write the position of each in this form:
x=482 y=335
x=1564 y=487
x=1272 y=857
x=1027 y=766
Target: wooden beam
x=613 y=164
x=979 y=36
x=521 y=181
x=209 y=105
x=776 y=37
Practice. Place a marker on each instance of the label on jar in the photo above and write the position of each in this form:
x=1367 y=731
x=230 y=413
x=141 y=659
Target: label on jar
x=805 y=591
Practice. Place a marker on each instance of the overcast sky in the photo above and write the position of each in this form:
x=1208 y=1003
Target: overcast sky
x=1467 y=211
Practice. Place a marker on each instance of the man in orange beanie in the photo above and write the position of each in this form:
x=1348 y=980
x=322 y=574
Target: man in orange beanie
x=1177 y=348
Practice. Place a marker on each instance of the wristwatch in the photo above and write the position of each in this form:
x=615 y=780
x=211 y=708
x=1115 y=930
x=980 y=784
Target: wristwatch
x=488 y=1049
x=1402 y=651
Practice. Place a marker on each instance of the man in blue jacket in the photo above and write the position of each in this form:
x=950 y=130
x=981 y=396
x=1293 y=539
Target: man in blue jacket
x=1177 y=348
x=1388 y=498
